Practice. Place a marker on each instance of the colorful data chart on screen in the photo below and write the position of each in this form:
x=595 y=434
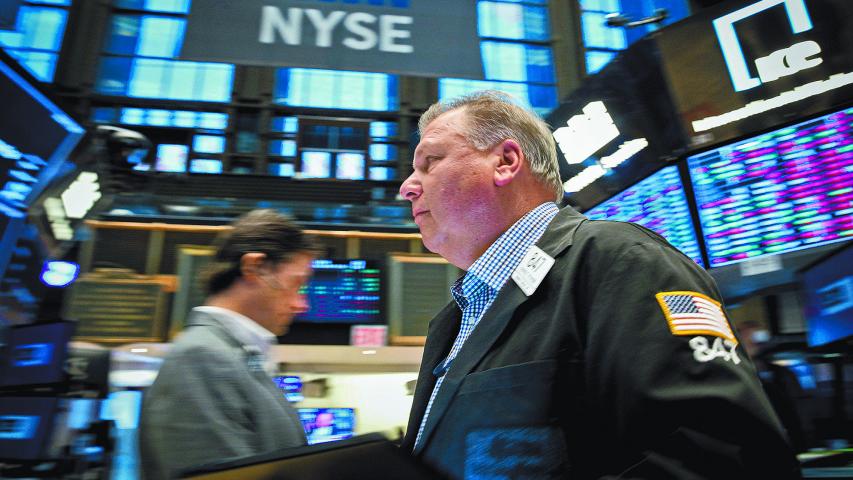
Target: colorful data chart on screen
x=785 y=190
x=657 y=203
x=345 y=291
x=327 y=424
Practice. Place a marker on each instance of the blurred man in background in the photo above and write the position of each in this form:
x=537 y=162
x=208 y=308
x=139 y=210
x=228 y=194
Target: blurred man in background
x=213 y=398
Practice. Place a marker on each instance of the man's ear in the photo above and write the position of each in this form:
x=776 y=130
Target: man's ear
x=511 y=158
x=251 y=264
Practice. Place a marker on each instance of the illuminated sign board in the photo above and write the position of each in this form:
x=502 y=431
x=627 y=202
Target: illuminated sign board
x=781 y=60
x=415 y=37
x=617 y=127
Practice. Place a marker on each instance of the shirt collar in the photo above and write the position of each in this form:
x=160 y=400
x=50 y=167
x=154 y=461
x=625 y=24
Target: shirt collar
x=243 y=328
x=489 y=273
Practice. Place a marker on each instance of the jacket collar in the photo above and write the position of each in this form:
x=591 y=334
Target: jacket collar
x=555 y=241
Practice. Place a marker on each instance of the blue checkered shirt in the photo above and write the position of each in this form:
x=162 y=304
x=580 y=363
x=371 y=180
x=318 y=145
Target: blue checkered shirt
x=477 y=289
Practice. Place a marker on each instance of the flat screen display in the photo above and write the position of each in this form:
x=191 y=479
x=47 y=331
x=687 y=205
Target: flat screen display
x=291 y=386
x=745 y=70
x=619 y=126
x=786 y=190
x=343 y=291
x=828 y=291
x=35 y=354
x=35 y=138
x=327 y=424
x=659 y=204
x=316 y=164
x=171 y=158
x=26 y=424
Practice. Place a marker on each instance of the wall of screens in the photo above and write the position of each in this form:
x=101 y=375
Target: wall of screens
x=657 y=203
x=782 y=191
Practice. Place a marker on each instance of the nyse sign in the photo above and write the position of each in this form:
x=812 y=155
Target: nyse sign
x=364 y=30
x=419 y=37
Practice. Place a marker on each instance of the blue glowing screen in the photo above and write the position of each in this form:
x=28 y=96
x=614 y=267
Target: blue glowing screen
x=345 y=291
x=327 y=424
x=659 y=204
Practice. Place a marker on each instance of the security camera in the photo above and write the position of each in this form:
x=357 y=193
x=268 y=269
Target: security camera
x=123 y=147
x=619 y=20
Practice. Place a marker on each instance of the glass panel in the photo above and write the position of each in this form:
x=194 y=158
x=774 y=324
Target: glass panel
x=350 y=166
x=597 y=34
x=601 y=5
x=41 y=64
x=286 y=148
x=381 y=152
x=65 y=3
x=316 y=164
x=503 y=20
x=160 y=36
x=285 y=124
x=104 y=115
x=132 y=116
x=171 y=6
x=383 y=130
x=596 y=60
x=281 y=169
x=215 y=121
x=186 y=119
x=155 y=78
x=113 y=76
x=336 y=89
x=209 y=144
x=205 y=165
x=159 y=118
x=382 y=173
x=171 y=158
x=40 y=29
x=123 y=36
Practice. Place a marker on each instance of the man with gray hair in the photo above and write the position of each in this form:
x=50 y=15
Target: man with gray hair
x=572 y=348
x=213 y=398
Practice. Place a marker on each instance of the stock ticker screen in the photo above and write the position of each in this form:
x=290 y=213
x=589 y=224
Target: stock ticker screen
x=658 y=203
x=344 y=291
x=786 y=190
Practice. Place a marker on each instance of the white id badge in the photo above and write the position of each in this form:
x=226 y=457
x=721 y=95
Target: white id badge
x=533 y=268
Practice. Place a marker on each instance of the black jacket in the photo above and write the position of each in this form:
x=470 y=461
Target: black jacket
x=584 y=378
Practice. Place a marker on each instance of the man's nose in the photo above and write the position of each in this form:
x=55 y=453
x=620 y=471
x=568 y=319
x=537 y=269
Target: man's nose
x=301 y=305
x=411 y=188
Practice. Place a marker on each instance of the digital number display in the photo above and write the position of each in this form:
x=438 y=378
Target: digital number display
x=785 y=190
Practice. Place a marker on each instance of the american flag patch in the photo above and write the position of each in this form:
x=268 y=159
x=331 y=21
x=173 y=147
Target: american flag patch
x=691 y=313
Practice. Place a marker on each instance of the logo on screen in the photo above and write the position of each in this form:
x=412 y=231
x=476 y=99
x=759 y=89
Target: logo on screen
x=836 y=297
x=32 y=355
x=781 y=63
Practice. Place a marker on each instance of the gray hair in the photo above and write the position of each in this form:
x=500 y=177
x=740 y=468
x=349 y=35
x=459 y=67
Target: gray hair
x=493 y=117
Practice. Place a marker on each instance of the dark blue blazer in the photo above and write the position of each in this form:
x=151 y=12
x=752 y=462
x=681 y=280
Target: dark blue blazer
x=585 y=379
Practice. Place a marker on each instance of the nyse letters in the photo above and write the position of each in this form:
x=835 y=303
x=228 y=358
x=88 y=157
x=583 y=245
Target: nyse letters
x=365 y=31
